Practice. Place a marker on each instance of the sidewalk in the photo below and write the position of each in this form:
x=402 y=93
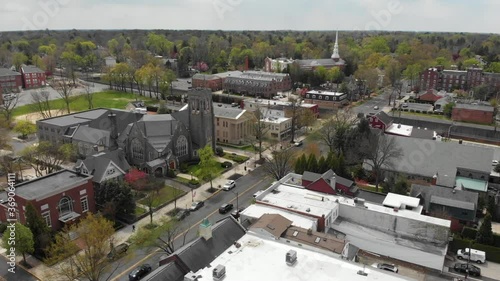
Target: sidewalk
x=42 y=272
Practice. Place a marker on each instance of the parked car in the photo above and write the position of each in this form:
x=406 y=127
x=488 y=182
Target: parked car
x=494 y=162
x=375 y=107
x=298 y=143
x=404 y=105
x=386 y=266
x=225 y=208
x=181 y=214
x=140 y=272
x=470 y=268
x=118 y=251
x=230 y=184
x=475 y=255
x=196 y=205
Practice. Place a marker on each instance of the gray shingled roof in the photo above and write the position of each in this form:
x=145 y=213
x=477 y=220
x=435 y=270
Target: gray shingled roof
x=31 y=69
x=158 y=129
x=97 y=163
x=91 y=135
x=201 y=76
x=445 y=196
x=169 y=272
x=382 y=116
x=8 y=72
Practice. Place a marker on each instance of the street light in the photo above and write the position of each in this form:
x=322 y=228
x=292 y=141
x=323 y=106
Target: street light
x=449 y=129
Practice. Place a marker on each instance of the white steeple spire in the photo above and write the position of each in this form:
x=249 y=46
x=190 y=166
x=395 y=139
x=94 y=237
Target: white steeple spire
x=335 y=54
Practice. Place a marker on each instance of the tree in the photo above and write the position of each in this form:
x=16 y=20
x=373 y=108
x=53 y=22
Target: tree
x=208 y=165
x=497 y=168
x=161 y=237
x=412 y=73
x=301 y=164
x=8 y=106
x=95 y=234
x=401 y=186
x=114 y=197
x=335 y=132
x=494 y=67
x=89 y=95
x=25 y=128
x=279 y=163
x=42 y=233
x=46 y=157
x=22 y=240
x=18 y=60
x=260 y=129
x=448 y=108
x=312 y=163
x=40 y=102
x=485 y=234
x=381 y=150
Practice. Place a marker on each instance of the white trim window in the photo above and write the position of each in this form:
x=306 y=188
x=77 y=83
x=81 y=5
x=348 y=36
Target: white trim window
x=46 y=217
x=85 y=204
x=65 y=206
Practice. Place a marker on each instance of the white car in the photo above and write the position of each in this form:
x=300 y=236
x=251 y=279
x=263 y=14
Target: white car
x=375 y=107
x=386 y=266
x=230 y=184
x=494 y=162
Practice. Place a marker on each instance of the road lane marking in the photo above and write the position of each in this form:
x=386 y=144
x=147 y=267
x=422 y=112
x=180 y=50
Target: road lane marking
x=180 y=235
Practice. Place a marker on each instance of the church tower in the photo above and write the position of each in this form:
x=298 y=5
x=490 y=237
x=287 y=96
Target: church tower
x=335 y=55
x=201 y=117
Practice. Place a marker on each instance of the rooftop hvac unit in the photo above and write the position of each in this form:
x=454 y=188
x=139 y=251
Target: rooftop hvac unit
x=291 y=257
x=219 y=272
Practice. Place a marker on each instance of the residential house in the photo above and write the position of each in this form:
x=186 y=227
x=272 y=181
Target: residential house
x=61 y=198
x=384 y=122
x=232 y=125
x=33 y=77
x=329 y=183
x=440 y=163
x=110 y=61
x=380 y=120
x=459 y=205
x=10 y=81
x=325 y=99
x=483 y=114
x=104 y=166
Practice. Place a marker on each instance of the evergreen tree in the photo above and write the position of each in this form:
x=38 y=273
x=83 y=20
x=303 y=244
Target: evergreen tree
x=312 y=163
x=322 y=165
x=299 y=165
x=42 y=233
x=485 y=234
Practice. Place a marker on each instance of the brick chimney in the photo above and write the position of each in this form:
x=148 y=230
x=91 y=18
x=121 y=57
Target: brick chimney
x=434 y=179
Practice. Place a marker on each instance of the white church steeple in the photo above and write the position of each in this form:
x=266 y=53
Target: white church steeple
x=335 y=55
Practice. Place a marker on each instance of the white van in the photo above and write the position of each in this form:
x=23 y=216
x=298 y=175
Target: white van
x=475 y=255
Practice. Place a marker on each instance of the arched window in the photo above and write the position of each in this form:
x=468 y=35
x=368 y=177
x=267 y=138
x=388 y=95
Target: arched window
x=137 y=150
x=181 y=146
x=65 y=206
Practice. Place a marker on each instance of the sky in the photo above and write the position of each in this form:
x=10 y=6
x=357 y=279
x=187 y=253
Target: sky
x=395 y=15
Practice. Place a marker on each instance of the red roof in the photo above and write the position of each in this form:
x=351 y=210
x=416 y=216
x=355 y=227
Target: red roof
x=430 y=96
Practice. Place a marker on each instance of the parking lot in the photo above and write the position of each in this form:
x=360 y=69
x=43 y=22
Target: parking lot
x=417 y=106
x=404 y=269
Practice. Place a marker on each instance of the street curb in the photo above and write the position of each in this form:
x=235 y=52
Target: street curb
x=213 y=194
x=27 y=270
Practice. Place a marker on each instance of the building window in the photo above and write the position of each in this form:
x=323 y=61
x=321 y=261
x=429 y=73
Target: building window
x=85 y=204
x=65 y=206
x=110 y=171
x=137 y=150
x=46 y=217
x=181 y=146
x=327 y=97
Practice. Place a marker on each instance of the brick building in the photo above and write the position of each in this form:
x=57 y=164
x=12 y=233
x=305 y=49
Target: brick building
x=10 y=81
x=473 y=113
x=257 y=83
x=212 y=82
x=448 y=80
x=61 y=198
x=325 y=99
x=33 y=77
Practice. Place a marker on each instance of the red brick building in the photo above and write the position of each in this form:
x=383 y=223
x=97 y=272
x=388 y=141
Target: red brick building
x=61 y=198
x=448 y=80
x=380 y=121
x=33 y=77
x=473 y=113
x=10 y=81
x=212 y=82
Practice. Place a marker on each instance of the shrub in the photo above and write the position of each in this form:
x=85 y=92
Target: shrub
x=219 y=151
x=412 y=110
x=418 y=111
x=194 y=182
x=184 y=168
x=171 y=173
x=3 y=227
x=226 y=164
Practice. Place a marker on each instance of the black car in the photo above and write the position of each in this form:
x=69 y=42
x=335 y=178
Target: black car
x=181 y=214
x=196 y=205
x=225 y=208
x=118 y=251
x=140 y=272
x=463 y=268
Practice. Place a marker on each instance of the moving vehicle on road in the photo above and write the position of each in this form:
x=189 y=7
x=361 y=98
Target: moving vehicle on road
x=475 y=255
x=181 y=214
x=230 y=184
x=386 y=266
x=298 y=143
x=225 y=208
x=118 y=251
x=196 y=205
x=375 y=107
x=140 y=272
x=468 y=268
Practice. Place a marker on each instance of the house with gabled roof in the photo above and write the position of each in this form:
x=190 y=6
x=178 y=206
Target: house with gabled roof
x=329 y=183
x=104 y=166
x=380 y=120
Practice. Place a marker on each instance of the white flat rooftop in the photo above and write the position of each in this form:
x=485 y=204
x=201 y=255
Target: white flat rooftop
x=264 y=260
x=257 y=210
x=325 y=93
x=399 y=201
x=400 y=130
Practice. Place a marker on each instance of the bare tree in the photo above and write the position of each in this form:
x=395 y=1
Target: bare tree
x=89 y=95
x=64 y=89
x=335 y=133
x=260 y=129
x=161 y=237
x=279 y=163
x=46 y=157
x=8 y=107
x=380 y=151
x=41 y=103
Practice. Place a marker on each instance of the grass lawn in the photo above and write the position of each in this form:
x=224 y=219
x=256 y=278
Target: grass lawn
x=236 y=158
x=139 y=211
x=165 y=194
x=194 y=169
x=442 y=117
x=107 y=99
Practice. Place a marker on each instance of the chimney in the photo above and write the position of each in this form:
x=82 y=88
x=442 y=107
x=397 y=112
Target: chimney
x=205 y=229
x=333 y=183
x=434 y=179
x=113 y=142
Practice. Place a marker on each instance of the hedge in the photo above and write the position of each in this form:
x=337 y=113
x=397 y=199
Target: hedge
x=470 y=233
x=492 y=252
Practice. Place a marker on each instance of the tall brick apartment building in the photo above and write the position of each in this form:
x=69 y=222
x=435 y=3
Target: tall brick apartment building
x=33 y=77
x=448 y=80
x=10 y=81
x=61 y=198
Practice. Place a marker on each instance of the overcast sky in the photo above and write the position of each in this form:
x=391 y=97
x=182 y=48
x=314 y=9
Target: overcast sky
x=407 y=15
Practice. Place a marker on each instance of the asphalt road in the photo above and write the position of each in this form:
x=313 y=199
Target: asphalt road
x=19 y=274
x=367 y=107
x=245 y=188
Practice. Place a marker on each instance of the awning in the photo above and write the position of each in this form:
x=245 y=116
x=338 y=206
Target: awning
x=69 y=217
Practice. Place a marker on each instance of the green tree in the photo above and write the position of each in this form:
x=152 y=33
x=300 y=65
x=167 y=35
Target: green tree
x=470 y=63
x=312 y=163
x=19 y=59
x=497 y=168
x=485 y=234
x=160 y=237
x=448 y=108
x=46 y=157
x=22 y=240
x=114 y=197
x=412 y=73
x=494 y=67
x=208 y=164
x=25 y=128
x=491 y=207
x=95 y=234
x=401 y=186
x=41 y=231
x=301 y=164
